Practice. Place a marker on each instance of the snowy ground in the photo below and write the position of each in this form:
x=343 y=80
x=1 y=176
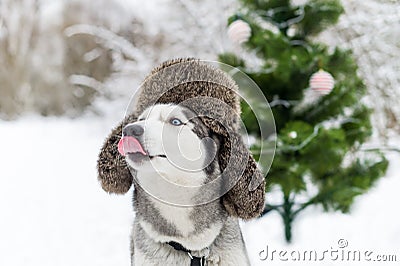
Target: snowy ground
x=53 y=211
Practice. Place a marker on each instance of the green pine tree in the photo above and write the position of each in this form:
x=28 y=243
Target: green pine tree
x=319 y=144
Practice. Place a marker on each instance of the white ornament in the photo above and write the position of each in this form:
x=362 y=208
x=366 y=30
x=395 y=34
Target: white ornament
x=293 y=134
x=239 y=31
x=322 y=82
x=291 y=32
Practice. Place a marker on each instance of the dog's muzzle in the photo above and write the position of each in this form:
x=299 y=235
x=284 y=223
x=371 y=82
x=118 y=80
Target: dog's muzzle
x=129 y=143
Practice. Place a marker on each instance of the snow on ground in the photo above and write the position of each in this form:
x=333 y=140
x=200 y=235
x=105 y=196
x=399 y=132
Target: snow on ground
x=54 y=212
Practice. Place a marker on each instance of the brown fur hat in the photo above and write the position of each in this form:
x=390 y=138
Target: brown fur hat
x=212 y=94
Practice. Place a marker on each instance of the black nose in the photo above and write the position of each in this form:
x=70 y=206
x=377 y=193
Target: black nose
x=133 y=130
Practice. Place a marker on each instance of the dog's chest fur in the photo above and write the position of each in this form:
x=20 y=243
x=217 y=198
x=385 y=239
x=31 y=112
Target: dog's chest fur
x=194 y=227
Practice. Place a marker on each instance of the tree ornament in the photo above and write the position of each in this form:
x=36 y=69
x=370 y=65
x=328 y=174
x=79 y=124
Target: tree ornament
x=291 y=32
x=239 y=31
x=322 y=82
x=293 y=134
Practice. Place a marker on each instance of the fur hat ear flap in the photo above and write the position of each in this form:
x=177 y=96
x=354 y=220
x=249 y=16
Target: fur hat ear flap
x=113 y=172
x=246 y=196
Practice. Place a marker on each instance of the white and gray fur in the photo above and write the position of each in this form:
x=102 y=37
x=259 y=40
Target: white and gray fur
x=205 y=229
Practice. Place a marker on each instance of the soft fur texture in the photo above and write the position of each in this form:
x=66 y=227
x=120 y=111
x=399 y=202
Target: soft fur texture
x=185 y=81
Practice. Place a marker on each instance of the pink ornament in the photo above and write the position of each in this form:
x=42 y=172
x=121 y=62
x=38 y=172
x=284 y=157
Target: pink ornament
x=239 y=31
x=322 y=82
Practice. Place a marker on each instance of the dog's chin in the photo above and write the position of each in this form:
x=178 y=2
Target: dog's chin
x=138 y=160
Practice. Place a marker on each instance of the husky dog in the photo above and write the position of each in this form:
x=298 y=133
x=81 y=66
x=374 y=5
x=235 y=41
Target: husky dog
x=172 y=147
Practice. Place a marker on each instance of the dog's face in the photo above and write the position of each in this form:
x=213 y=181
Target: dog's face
x=170 y=140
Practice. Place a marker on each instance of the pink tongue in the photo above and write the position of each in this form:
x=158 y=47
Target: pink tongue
x=129 y=145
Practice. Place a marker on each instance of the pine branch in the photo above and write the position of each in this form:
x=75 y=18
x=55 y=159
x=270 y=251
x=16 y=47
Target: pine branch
x=384 y=148
x=312 y=201
x=305 y=142
x=268 y=208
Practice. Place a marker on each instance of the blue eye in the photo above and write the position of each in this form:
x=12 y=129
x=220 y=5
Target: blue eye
x=176 y=122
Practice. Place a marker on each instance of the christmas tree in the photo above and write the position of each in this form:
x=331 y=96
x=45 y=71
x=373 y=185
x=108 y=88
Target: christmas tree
x=320 y=129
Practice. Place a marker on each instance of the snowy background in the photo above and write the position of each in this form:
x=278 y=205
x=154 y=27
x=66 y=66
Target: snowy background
x=67 y=71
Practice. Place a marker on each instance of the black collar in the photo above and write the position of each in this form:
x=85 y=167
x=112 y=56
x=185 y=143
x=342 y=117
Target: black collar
x=194 y=261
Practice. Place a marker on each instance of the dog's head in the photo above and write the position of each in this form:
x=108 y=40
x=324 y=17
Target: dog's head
x=172 y=141
x=187 y=134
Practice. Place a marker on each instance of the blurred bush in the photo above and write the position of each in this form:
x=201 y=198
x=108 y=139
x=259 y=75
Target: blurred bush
x=58 y=57
x=46 y=71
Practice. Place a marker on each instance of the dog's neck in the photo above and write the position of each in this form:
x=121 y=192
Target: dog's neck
x=196 y=227
x=171 y=189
